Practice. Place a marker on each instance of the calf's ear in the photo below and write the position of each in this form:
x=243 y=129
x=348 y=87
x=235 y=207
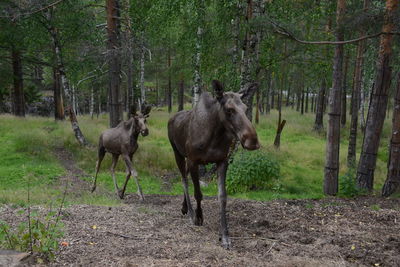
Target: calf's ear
x=218 y=89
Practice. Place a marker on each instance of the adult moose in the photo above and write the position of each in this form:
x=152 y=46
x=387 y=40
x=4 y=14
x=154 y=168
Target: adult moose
x=122 y=140
x=204 y=135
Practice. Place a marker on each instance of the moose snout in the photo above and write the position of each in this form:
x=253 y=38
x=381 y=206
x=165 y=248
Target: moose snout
x=250 y=142
x=145 y=132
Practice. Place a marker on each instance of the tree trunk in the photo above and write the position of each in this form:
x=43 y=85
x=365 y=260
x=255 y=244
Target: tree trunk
x=333 y=135
x=58 y=99
x=65 y=83
x=355 y=99
x=312 y=103
x=169 y=98
x=113 y=46
x=247 y=98
x=267 y=92
x=91 y=102
x=302 y=101
x=197 y=84
x=257 y=106
x=307 y=93
x=393 y=177
x=18 y=94
x=281 y=124
x=319 y=105
x=344 y=92
x=378 y=103
x=142 y=88
x=181 y=94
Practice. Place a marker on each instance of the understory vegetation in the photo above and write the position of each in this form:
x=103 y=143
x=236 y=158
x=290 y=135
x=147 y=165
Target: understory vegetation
x=29 y=145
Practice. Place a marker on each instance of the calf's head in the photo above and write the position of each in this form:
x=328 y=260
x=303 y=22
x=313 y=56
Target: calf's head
x=140 y=121
x=233 y=116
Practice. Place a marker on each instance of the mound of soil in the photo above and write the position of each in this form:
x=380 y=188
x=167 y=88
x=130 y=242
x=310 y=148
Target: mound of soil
x=329 y=232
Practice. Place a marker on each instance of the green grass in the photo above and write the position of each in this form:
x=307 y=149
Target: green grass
x=27 y=146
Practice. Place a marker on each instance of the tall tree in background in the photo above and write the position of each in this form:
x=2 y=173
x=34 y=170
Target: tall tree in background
x=18 y=93
x=378 y=102
x=113 y=46
x=197 y=84
x=355 y=99
x=333 y=135
x=393 y=176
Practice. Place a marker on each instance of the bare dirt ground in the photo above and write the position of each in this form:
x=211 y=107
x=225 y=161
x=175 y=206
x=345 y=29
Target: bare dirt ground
x=328 y=232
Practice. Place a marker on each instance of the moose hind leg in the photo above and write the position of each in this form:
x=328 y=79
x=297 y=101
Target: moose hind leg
x=222 y=167
x=194 y=173
x=113 y=164
x=101 y=153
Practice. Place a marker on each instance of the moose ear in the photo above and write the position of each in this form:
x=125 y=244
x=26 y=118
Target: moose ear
x=146 y=109
x=218 y=89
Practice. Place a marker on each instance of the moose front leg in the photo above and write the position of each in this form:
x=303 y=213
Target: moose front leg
x=132 y=172
x=222 y=168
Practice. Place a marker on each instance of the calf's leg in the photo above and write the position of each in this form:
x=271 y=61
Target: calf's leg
x=132 y=172
x=194 y=173
x=101 y=153
x=113 y=164
x=222 y=167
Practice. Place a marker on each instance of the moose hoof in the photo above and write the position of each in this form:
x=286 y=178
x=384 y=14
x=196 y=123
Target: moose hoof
x=184 y=210
x=226 y=242
x=198 y=221
x=93 y=188
x=121 y=194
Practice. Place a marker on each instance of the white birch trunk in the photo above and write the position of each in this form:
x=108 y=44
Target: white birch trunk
x=197 y=76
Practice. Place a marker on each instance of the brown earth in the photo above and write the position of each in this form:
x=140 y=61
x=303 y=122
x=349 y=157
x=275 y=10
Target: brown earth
x=328 y=232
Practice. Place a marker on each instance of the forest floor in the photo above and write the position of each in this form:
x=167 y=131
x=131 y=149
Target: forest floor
x=327 y=232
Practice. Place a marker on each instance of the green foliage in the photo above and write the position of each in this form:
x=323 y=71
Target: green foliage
x=347 y=184
x=40 y=234
x=252 y=171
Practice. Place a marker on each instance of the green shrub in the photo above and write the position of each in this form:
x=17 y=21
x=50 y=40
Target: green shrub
x=40 y=234
x=348 y=186
x=254 y=170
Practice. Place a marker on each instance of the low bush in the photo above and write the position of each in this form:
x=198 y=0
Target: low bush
x=255 y=170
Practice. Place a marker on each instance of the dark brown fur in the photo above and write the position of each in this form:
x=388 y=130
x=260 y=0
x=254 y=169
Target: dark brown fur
x=204 y=135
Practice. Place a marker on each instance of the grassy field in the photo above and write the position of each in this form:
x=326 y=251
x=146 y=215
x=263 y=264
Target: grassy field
x=28 y=144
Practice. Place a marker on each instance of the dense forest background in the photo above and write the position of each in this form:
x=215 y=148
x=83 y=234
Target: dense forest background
x=339 y=58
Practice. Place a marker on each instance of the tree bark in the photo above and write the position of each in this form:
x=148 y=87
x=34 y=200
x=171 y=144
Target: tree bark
x=378 y=103
x=319 y=105
x=307 y=94
x=331 y=174
x=142 y=58
x=18 y=93
x=257 y=106
x=393 y=176
x=181 y=93
x=344 y=92
x=302 y=101
x=113 y=46
x=58 y=99
x=169 y=99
